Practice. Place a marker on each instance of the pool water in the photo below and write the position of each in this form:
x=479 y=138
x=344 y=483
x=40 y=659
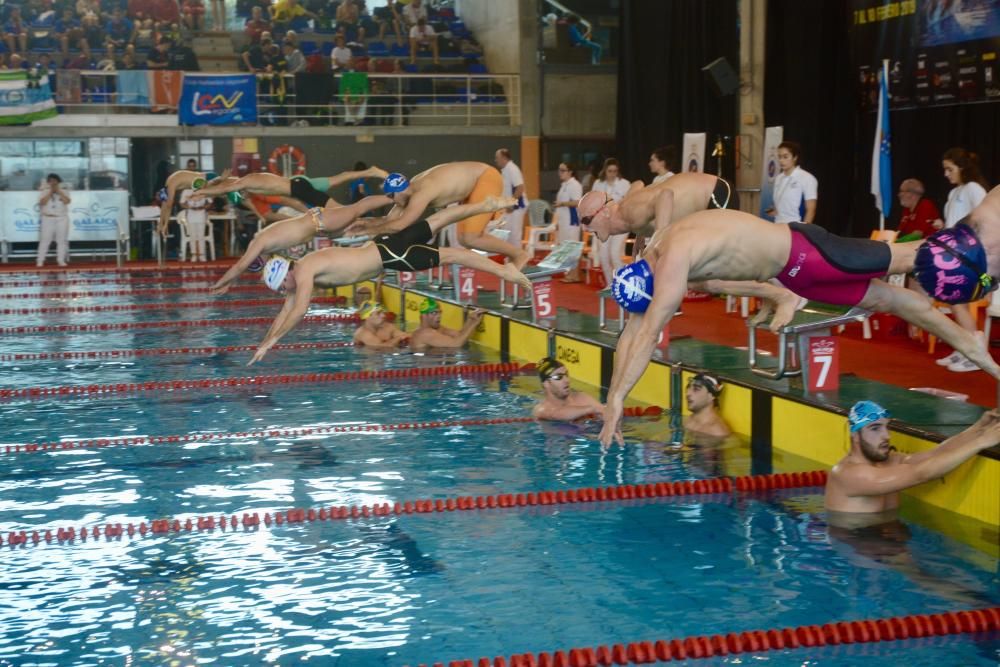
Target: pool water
x=414 y=588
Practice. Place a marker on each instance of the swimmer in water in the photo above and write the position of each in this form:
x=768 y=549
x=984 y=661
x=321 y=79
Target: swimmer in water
x=430 y=333
x=560 y=402
x=375 y=332
x=702 y=397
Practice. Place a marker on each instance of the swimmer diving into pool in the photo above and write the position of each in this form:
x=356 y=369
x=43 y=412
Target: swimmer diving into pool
x=329 y=220
x=734 y=246
x=311 y=191
x=866 y=483
x=182 y=180
x=409 y=250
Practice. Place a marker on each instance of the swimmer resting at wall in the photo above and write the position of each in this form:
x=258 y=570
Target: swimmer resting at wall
x=730 y=245
x=410 y=250
x=560 y=402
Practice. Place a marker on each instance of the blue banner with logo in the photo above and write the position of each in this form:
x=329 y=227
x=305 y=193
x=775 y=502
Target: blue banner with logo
x=218 y=99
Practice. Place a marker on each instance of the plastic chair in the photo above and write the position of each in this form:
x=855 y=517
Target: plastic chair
x=538 y=227
x=974 y=308
x=182 y=223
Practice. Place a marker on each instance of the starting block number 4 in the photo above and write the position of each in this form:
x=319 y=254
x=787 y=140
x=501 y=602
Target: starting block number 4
x=466 y=284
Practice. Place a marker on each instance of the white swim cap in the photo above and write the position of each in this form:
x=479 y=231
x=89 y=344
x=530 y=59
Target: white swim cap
x=275 y=271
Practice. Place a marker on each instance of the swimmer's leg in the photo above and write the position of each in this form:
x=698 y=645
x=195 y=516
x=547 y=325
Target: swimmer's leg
x=453 y=214
x=479 y=262
x=918 y=310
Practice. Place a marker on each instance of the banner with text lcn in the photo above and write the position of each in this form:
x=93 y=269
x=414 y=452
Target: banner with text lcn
x=213 y=99
x=939 y=52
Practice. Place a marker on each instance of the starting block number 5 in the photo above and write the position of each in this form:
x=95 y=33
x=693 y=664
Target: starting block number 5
x=541 y=296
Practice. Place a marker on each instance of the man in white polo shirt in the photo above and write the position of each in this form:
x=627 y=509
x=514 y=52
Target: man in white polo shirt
x=795 y=189
x=513 y=186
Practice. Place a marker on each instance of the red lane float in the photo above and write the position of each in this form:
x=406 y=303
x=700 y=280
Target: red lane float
x=757 y=641
x=123 y=279
x=200 y=267
x=170 y=324
x=164 y=351
x=143 y=291
x=100 y=443
x=260 y=380
x=131 y=307
x=252 y=520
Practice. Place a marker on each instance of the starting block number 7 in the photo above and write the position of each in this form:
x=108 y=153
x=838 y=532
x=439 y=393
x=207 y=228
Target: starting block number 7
x=824 y=364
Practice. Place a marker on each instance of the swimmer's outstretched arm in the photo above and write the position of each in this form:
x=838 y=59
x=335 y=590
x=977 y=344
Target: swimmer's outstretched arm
x=568 y=413
x=288 y=318
x=638 y=340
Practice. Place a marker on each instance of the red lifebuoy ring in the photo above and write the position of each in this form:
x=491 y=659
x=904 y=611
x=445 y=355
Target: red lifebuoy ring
x=298 y=160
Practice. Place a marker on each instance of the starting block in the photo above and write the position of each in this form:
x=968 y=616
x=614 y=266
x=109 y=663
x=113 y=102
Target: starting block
x=564 y=257
x=793 y=340
x=602 y=315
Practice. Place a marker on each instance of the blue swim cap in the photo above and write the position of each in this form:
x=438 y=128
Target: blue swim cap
x=633 y=286
x=864 y=413
x=394 y=182
x=951 y=266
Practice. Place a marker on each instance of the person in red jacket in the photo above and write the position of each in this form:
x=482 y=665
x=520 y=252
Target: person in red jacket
x=918 y=213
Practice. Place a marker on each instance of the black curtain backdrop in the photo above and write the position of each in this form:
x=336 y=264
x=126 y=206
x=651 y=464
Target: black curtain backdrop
x=662 y=92
x=810 y=89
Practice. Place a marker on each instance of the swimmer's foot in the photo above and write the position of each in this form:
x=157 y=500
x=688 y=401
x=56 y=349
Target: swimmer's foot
x=785 y=308
x=376 y=172
x=513 y=274
x=491 y=204
x=520 y=259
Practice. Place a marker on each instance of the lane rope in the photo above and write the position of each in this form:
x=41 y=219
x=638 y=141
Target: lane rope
x=123 y=441
x=201 y=267
x=142 y=291
x=164 y=351
x=714 y=486
x=168 y=324
x=891 y=628
x=263 y=380
x=209 y=278
x=132 y=307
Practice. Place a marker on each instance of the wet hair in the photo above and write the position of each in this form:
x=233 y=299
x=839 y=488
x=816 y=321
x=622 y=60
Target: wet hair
x=667 y=155
x=546 y=367
x=793 y=147
x=968 y=165
x=610 y=162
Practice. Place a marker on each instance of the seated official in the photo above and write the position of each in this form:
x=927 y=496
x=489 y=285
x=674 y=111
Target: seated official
x=702 y=396
x=432 y=334
x=868 y=480
x=562 y=403
x=375 y=332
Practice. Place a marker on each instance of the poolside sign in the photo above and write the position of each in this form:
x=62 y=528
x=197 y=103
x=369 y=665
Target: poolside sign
x=218 y=99
x=543 y=304
x=465 y=284
x=823 y=363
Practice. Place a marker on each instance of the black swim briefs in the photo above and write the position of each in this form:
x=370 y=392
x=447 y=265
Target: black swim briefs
x=724 y=196
x=410 y=249
x=303 y=190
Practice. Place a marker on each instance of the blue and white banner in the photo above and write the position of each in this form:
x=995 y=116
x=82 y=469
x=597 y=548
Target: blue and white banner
x=882 y=150
x=218 y=99
x=94 y=215
x=772 y=137
x=24 y=100
x=694 y=152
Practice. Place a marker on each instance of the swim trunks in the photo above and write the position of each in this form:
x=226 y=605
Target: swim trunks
x=951 y=265
x=410 y=249
x=489 y=184
x=724 y=196
x=302 y=188
x=832 y=269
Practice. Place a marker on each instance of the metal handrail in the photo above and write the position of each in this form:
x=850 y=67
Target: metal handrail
x=446 y=99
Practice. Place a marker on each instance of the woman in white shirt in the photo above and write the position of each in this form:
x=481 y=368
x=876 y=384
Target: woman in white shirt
x=795 y=189
x=197 y=222
x=609 y=253
x=567 y=219
x=961 y=168
x=52 y=200
x=660 y=161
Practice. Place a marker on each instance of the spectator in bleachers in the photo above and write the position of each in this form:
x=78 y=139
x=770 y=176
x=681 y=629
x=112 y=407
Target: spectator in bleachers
x=292 y=38
x=15 y=62
x=218 y=15
x=918 y=213
x=93 y=35
x=15 y=31
x=119 y=29
x=43 y=66
x=258 y=56
x=84 y=7
x=67 y=31
x=349 y=18
x=165 y=11
x=194 y=14
x=109 y=63
x=413 y=12
x=128 y=60
x=145 y=34
x=181 y=57
x=389 y=17
x=287 y=14
x=256 y=24
x=580 y=36
x=158 y=57
x=340 y=55
x=78 y=61
x=294 y=60
x=423 y=37
x=139 y=10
